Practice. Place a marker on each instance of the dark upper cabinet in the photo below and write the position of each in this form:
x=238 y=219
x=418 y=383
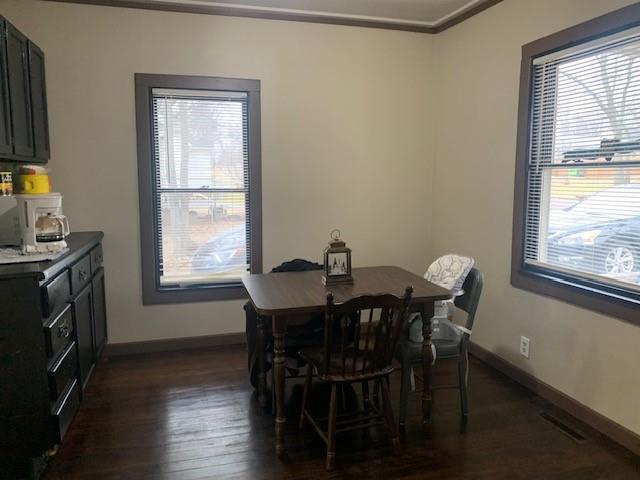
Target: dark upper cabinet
x=24 y=126
x=38 y=103
x=20 y=93
x=6 y=143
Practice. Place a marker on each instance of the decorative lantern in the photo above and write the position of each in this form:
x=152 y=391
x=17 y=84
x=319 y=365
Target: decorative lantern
x=337 y=262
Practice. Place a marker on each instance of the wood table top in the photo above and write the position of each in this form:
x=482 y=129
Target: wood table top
x=303 y=292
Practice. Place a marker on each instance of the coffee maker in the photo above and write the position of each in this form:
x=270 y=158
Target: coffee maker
x=35 y=223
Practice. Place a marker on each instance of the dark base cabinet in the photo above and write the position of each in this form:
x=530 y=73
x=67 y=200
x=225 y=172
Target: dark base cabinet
x=53 y=327
x=99 y=311
x=83 y=317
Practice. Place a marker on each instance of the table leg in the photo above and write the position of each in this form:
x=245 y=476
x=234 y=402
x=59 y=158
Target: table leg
x=427 y=360
x=262 y=376
x=279 y=330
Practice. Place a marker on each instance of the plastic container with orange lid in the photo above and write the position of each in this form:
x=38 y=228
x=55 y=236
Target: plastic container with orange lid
x=33 y=179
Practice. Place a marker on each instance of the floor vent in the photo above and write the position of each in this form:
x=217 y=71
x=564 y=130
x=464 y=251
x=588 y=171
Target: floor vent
x=570 y=432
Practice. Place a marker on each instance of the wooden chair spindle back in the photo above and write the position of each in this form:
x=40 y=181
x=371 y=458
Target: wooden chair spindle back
x=363 y=347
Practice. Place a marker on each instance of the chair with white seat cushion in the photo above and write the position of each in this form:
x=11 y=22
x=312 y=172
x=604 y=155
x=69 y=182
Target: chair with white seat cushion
x=449 y=341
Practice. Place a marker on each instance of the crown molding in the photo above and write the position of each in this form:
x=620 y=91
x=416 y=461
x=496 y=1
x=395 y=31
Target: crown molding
x=219 y=8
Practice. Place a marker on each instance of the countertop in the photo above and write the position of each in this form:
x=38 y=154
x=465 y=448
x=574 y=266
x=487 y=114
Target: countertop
x=79 y=243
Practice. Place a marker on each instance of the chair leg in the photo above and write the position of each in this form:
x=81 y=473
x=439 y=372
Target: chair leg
x=463 y=368
x=331 y=431
x=343 y=395
x=365 y=395
x=405 y=387
x=273 y=391
x=413 y=379
x=376 y=393
x=305 y=396
x=388 y=410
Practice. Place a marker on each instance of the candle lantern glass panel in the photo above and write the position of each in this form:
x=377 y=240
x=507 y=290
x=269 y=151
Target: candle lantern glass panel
x=337 y=262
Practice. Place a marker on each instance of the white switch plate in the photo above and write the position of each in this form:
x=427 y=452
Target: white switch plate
x=524 y=346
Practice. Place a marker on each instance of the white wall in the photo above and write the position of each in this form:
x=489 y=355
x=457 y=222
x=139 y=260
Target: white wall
x=340 y=101
x=590 y=357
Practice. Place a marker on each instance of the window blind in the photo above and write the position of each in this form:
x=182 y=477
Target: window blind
x=583 y=173
x=201 y=188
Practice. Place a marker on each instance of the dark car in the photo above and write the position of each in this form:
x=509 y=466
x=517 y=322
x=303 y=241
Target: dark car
x=599 y=235
x=222 y=253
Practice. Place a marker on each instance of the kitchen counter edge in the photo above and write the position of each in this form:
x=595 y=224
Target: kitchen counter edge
x=79 y=243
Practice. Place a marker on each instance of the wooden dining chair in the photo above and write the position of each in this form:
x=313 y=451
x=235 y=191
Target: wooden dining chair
x=365 y=356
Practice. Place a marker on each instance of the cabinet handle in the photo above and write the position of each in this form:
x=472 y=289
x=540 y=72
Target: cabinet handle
x=63 y=330
x=82 y=274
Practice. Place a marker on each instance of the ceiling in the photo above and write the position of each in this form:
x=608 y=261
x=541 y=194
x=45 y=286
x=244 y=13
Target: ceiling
x=428 y=16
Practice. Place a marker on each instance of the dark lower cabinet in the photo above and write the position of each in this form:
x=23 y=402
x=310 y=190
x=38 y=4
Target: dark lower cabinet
x=24 y=394
x=65 y=410
x=19 y=93
x=83 y=322
x=63 y=371
x=99 y=312
x=52 y=330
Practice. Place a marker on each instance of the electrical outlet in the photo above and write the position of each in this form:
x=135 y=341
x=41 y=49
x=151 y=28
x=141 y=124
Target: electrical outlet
x=524 y=346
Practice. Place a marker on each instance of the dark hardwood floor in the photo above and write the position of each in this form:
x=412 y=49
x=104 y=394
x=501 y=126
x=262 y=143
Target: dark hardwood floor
x=193 y=415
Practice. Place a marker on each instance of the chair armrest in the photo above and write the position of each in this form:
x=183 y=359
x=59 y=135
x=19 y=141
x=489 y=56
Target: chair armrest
x=462 y=329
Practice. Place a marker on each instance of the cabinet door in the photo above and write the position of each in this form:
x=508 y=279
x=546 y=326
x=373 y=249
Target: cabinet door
x=99 y=313
x=38 y=103
x=83 y=318
x=19 y=93
x=6 y=144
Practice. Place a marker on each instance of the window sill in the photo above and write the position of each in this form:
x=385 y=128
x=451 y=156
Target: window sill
x=590 y=295
x=205 y=293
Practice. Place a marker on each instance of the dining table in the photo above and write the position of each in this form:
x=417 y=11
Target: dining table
x=283 y=297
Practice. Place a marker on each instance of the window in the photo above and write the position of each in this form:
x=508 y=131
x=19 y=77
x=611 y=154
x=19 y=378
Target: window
x=577 y=199
x=199 y=178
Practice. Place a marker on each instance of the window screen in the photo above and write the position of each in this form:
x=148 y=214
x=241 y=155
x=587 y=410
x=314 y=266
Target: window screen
x=583 y=172
x=201 y=188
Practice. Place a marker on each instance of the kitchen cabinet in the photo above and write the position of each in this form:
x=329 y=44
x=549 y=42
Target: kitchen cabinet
x=6 y=142
x=24 y=125
x=83 y=318
x=99 y=312
x=52 y=331
x=19 y=93
x=38 y=90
